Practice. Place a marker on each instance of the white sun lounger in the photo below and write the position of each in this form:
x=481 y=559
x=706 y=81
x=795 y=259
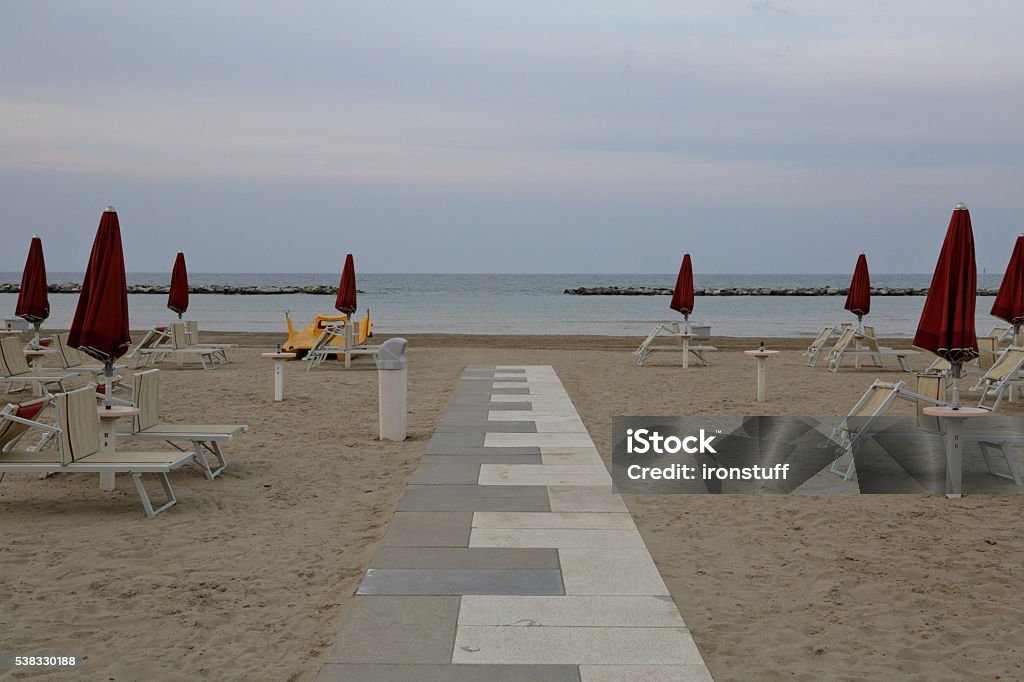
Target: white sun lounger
x=78 y=438
x=180 y=349
x=16 y=374
x=819 y=344
x=324 y=346
x=648 y=345
x=1003 y=376
x=204 y=438
x=845 y=348
x=221 y=349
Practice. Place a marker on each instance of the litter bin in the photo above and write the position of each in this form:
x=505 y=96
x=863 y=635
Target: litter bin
x=392 y=377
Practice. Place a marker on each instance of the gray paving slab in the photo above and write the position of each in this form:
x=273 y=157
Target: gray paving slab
x=512 y=391
x=461 y=581
x=446 y=474
x=469 y=498
x=334 y=672
x=482 y=459
x=456 y=440
x=429 y=528
x=480 y=427
x=407 y=629
x=472 y=558
x=476 y=450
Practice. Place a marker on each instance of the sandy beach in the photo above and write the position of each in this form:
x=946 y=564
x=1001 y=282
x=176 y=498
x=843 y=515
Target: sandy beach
x=249 y=576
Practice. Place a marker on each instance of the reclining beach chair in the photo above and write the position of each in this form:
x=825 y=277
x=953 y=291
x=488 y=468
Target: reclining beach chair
x=875 y=403
x=648 y=345
x=74 y=359
x=203 y=438
x=181 y=349
x=16 y=374
x=78 y=451
x=352 y=343
x=143 y=353
x=988 y=352
x=846 y=346
x=221 y=349
x=1002 y=376
x=15 y=421
x=1001 y=333
x=818 y=344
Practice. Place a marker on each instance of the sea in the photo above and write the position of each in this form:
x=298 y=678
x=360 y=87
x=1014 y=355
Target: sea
x=521 y=303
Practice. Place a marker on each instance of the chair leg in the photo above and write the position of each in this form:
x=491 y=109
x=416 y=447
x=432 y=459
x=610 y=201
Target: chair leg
x=1014 y=474
x=144 y=496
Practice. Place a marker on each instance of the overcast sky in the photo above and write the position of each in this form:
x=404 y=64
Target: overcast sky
x=492 y=136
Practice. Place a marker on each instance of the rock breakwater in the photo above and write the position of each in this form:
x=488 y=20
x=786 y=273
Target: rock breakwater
x=222 y=289
x=753 y=291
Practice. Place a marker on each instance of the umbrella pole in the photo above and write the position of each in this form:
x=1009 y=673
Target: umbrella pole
x=35 y=339
x=955 y=368
x=686 y=323
x=1016 y=334
x=108 y=380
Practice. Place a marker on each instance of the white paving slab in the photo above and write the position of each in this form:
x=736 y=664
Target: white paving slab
x=646 y=673
x=633 y=611
x=581 y=459
x=594 y=571
x=557 y=520
x=573 y=645
x=583 y=498
x=543 y=474
x=559 y=538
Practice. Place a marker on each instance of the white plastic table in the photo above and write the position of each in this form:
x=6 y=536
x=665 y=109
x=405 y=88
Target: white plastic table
x=279 y=360
x=954 y=454
x=108 y=435
x=761 y=356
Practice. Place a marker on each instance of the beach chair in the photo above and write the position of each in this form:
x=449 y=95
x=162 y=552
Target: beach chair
x=74 y=359
x=204 y=438
x=845 y=347
x=78 y=451
x=1001 y=333
x=16 y=420
x=1002 y=376
x=648 y=346
x=221 y=349
x=988 y=352
x=818 y=345
x=144 y=353
x=16 y=374
x=875 y=403
x=337 y=340
x=181 y=349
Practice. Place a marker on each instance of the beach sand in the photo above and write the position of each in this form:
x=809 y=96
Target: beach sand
x=249 y=576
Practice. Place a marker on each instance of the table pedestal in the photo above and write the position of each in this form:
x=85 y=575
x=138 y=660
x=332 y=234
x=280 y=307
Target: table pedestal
x=279 y=360
x=108 y=436
x=954 y=420
x=761 y=356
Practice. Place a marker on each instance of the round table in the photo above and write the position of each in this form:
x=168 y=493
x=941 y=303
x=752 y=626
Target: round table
x=108 y=434
x=761 y=356
x=954 y=455
x=279 y=360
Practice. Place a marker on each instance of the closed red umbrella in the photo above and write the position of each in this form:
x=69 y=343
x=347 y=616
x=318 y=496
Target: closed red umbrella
x=33 y=302
x=858 y=300
x=100 y=326
x=346 y=301
x=177 y=297
x=1009 y=303
x=682 y=295
x=947 y=320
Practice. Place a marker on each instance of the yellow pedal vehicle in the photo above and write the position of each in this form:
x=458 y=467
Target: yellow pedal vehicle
x=299 y=342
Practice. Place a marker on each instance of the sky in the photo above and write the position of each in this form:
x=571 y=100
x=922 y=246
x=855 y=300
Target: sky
x=512 y=136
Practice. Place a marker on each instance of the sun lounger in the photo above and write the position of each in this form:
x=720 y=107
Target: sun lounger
x=181 y=349
x=818 y=345
x=846 y=346
x=1004 y=375
x=649 y=346
x=16 y=374
x=203 y=438
x=78 y=451
x=337 y=340
x=74 y=359
x=221 y=349
x=15 y=421
x=143 y=352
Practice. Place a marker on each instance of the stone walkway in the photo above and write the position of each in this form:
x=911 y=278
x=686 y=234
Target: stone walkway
x=510 y=558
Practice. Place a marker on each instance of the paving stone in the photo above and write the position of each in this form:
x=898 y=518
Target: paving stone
x=460 y=581
x=479 y=427
x=471 y=558
x=552 y=440
x=581 y=498
x=599 y=611
x=558 y=538
x=564 y=520
x=584 y=458
x=470 y=498
x=582 y=645
x=415 y=630
x=543 y=475
x=334 y=672
x=456 y=440
x=469 y=460
x=589 y=571
x=429 y=528
x=505 y=390
x=446 y=474
x=476 y=450
x=647 y=673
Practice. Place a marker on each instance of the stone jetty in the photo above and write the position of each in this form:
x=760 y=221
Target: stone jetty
x=754 y=291
x=222 y=289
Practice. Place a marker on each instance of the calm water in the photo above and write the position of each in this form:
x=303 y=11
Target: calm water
x=520 y=304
